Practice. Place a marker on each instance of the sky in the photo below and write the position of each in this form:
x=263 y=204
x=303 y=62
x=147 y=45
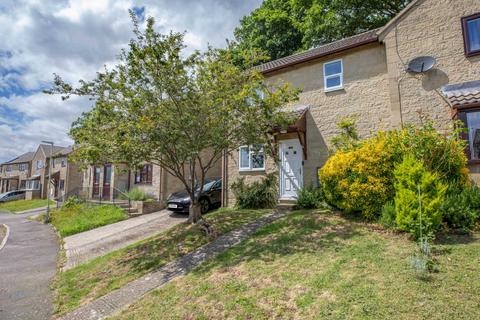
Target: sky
x=75 y=39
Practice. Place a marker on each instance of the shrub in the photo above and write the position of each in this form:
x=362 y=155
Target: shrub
x=389 y=215
x=360 y=180
x=309 y=198
x=348 y=138
x=137 y=195
x=258 y=195
x=72 y=201
x=461 y=209
x=410 y=176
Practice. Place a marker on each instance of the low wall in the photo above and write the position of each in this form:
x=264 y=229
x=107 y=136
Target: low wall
x=144 y=207
x=32 y=194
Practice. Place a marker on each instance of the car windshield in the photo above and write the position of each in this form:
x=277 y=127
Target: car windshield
x=3 y=194
x=207 y=185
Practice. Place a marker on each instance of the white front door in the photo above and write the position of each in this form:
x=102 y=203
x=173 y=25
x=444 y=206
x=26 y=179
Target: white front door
x=291 y=168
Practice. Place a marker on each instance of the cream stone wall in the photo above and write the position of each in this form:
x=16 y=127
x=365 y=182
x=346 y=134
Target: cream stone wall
x=364 y=95
x=433 y=28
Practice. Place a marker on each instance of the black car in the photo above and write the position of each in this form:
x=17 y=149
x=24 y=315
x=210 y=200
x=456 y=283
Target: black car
x=210 y=196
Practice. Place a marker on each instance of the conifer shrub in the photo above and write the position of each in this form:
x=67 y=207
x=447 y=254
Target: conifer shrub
x=419 y=195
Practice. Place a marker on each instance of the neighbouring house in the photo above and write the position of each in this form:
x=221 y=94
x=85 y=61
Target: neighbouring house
x=66 y=175
x=109 y=181
x=366 y=76
x=14 y=173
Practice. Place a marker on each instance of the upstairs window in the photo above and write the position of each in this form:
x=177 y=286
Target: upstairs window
x=144 y=176
x=471 y=34
x=22 y=167
x=333 y=75
x=251 y=158
x=9 y=168
x=64 y=162
x=39 y=164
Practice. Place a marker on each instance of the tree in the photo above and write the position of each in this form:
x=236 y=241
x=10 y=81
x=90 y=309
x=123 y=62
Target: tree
x=283 y=27
x=180 y=112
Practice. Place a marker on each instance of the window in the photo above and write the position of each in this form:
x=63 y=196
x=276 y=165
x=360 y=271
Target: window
x=471 y=34
x=471 y=119
x=53 y=163
x=61 y=184
x=39 y=164
x=22 y=184
x=63 y=162
x=22 y=167
x=9 y=168
x=32 y=185
x=333 y=75
x=144 y=176
x=251 y=158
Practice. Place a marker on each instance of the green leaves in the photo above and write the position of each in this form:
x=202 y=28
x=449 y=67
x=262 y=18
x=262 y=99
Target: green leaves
x=282 y=27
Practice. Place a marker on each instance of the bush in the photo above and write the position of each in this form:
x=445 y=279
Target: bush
x=409 y=175
x=359 y=177
x=461 y=209
x=72 y=201
x=360 y=180
x=309 y=198
x=389 y=215
x=258 y=195
x=137 y=195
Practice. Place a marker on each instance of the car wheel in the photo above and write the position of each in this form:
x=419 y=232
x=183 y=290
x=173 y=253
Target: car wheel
x=204 y=205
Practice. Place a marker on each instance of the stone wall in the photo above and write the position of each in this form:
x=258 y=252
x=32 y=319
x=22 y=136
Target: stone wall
x=430 y=28
x=365 y=96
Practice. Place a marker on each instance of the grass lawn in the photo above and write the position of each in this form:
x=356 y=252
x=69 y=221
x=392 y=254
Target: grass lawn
x=310 y=265
x=81 y=218
x=22 y=205
x=104 y=274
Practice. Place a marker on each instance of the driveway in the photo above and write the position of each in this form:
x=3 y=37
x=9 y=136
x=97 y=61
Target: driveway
x=88 y=245
x=27 y=265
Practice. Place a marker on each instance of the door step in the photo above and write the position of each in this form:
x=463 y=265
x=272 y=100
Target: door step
x=286 y=204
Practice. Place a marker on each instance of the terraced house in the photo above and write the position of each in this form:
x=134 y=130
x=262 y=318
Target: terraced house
x=14 y=173
x=368 y=76
x=29 y=172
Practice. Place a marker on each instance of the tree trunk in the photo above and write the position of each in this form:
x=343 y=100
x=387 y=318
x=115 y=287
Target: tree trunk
x=195 y=213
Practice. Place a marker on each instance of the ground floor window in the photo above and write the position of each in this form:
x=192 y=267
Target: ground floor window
x=32 y=185
x=251 y=158
x=471 y=120
x=61 y=184
x=144 y=175
x=22 y=184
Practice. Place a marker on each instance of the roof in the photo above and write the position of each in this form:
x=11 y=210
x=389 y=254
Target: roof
x=64 y=152
x=46 y=149
x=324 y=50
x=465 y=94
x=26 y=157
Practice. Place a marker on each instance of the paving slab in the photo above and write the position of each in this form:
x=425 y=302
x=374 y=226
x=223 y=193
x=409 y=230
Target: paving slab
x=115 y=301
x=28 y=262
x=85 y=246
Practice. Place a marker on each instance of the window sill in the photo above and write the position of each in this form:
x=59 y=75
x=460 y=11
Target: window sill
x=251 y=170
x=143 y=183
x=333 y=89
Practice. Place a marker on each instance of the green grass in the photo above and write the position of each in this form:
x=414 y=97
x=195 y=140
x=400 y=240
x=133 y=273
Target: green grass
x=104 y=274
x=22 y=205
x=321 y=266
x=79 y=218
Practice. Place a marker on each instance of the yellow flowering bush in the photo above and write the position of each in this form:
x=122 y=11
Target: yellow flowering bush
x=360 y=179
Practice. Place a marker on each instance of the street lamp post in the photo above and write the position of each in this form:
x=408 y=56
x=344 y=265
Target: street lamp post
x=47 y=214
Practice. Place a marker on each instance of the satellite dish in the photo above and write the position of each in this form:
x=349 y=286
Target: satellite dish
x=421 y=64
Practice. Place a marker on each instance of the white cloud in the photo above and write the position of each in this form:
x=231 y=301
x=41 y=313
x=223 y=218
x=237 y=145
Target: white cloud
x=76 y=39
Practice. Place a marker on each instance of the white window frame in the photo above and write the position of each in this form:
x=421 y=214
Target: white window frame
x=335 y=75
x=32 y=185
x=250 y=152
x=39 y=164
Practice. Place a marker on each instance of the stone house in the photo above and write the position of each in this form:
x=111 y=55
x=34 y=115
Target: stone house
x=66 y=175
x=29 y=172
x=14 y=173
x=109 y=181
x=367 y=76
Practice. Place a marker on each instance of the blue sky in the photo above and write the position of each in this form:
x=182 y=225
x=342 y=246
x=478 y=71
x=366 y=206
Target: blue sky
x=75 y=39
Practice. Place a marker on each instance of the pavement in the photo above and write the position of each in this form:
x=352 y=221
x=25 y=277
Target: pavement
x=28 y=263
x=113 y=302
x=85 y=246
